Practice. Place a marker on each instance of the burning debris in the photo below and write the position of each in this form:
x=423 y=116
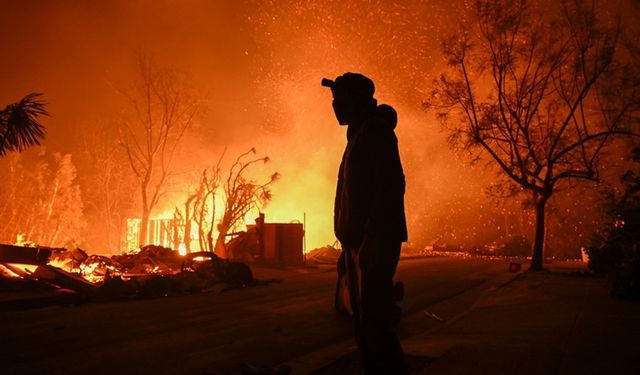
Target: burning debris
x=153 y=271
x=68 y=259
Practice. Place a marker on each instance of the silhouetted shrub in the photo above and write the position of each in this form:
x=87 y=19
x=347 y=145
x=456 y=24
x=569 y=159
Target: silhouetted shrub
x=616 y=252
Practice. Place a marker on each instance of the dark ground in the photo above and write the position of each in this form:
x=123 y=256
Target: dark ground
x=262 y=326
x=559 y=321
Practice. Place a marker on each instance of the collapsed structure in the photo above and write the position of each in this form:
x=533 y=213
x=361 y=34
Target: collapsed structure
x=152 y=270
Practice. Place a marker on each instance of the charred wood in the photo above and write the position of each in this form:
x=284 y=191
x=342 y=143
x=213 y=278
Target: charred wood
x=64 y=279
x=24 y=255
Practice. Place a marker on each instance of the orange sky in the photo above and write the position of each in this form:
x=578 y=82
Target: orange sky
x=259 y=64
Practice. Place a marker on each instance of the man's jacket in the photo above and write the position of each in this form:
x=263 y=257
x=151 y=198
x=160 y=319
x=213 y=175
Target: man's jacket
x=370 y=192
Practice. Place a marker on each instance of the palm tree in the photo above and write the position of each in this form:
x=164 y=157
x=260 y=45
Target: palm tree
x=19 y=124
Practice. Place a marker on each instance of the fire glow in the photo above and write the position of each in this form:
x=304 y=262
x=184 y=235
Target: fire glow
x=261 y=74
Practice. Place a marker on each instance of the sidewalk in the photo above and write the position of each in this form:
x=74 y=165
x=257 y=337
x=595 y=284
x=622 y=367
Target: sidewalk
x=555 y=322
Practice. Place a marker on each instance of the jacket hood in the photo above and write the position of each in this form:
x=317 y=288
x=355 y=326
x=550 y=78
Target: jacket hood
x=386 y=116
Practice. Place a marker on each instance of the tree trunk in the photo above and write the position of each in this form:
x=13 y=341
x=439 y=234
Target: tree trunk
x=538 y=244
x=221 y=250
x=187 y=233
x=201 y=236
x=210 y=240
x=144 y=227
x=176 y=233
x=211 y=224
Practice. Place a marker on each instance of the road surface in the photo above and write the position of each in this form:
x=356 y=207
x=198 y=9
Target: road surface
x=222 y=332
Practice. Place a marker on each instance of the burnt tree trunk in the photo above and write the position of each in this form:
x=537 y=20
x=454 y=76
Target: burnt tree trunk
x=221 y=250
x=538 y=243
x=144 y=227
x=210 y=240
x=187 y=221
x=187 y=232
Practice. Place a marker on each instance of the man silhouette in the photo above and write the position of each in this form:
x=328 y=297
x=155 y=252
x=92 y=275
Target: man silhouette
x=369 y=219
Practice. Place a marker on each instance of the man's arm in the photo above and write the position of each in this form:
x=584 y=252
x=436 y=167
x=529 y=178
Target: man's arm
x=385 y=158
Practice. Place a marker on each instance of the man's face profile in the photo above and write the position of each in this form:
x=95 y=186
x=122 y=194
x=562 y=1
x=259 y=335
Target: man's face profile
x=342 y=106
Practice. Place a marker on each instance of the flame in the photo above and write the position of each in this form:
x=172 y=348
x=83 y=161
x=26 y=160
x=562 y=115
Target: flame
x=97 y=271
x=182 y=249
x=66 y=266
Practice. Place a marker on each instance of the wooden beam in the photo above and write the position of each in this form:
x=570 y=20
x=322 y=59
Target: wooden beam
x=24 y=255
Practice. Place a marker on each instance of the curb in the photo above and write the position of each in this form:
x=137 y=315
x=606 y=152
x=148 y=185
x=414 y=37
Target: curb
x=466 y=312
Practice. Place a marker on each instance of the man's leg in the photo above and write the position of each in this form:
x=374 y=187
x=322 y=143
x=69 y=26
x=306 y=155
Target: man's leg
x=376 y=330
x=342 y=301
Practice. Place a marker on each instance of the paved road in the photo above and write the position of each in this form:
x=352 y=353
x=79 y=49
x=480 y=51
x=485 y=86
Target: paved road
x=190 y=334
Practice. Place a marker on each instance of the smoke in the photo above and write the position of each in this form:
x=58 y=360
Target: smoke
x=259 y=64
x=397 y=45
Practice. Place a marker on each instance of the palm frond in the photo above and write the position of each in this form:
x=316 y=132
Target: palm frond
x=19 y=124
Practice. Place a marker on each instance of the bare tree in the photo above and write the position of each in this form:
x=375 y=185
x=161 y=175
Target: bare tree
x=199 y=208
x=190 y=211
x=206 y=206
x=162 y=107
x=541 y=94
x=241 y=195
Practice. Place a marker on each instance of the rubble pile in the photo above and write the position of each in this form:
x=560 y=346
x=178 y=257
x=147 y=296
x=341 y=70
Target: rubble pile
x=323 y=255
x=153 y=271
